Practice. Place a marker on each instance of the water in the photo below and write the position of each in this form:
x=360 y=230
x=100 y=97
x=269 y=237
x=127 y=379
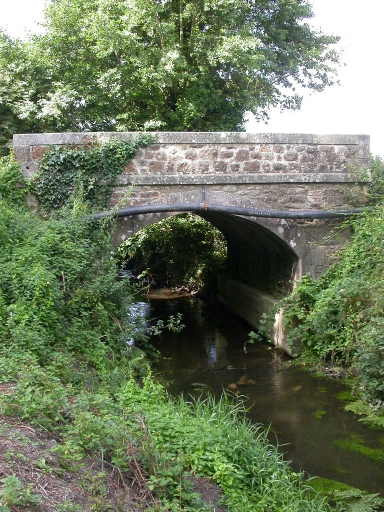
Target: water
x=210 y=351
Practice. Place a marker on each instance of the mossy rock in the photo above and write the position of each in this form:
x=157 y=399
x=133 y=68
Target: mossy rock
x=346 y=497
x=327 y=486
x=345 y=396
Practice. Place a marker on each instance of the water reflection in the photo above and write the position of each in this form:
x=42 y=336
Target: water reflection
x=137 y=314
x=210 y=351
x=216 y=349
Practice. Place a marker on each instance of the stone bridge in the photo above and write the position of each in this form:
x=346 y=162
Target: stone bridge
x=289 y=172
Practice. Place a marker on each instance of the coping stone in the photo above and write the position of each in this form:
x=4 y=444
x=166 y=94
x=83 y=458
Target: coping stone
x=80 y=138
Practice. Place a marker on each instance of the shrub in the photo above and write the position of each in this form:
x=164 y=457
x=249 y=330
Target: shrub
x=339 y=317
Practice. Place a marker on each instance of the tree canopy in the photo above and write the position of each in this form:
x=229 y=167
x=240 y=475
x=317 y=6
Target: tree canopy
x=166 y=64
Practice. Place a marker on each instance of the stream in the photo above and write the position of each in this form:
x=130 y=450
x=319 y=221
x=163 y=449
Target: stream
x=301 y=410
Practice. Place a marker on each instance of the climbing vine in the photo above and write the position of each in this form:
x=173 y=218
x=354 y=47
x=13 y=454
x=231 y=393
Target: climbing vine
x=90 y=170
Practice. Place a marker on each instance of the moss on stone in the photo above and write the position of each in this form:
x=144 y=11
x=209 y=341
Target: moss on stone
x=371 y=418
x=345 y=396
x=327 y=486
x=344 y=497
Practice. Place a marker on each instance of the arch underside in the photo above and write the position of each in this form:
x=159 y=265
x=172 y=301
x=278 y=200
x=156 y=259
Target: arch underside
x=260 y=265
x=256 y=256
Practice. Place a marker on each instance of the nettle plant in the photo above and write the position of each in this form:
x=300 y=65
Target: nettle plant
x=90 y=170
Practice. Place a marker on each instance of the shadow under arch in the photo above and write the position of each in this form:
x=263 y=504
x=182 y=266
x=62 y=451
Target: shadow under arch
x=261 y=268
x=260 y=265
x=256 y=255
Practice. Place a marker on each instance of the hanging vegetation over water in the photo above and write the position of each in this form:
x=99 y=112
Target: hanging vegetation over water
x=340 y=317
x=181 y=251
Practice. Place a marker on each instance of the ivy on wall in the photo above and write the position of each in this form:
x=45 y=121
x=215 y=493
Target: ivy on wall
x=90 y=170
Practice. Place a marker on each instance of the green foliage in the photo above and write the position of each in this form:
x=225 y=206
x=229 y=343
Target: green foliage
x=90 y=171
x=13 y=493
x=183 y=251
x=13 y=186
x=141 y=65
x=23 y=83
x=319 y=414
x=347 y=497
x=216 y=440
x=372 y=416
x=345 y=396
x=339 y=317
x=376 y=187
x=59 y=286
x=68 y=368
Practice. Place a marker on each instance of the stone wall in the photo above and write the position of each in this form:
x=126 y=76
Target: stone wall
x=184 y=155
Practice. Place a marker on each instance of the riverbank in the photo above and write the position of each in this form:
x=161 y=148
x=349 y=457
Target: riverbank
x=33 y=477
x=113 y=442
x=113 y=429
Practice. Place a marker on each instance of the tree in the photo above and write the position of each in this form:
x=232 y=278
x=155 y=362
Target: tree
x=23 y=84
x=177 y=64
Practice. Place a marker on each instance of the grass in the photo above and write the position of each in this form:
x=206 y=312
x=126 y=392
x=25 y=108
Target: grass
x=130 y=426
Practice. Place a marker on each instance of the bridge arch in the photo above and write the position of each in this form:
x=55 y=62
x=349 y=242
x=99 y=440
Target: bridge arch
x=284 y=171
x=260 y=252
x=261 y=265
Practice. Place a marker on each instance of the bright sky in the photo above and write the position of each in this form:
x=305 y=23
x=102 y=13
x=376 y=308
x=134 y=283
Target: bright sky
x=356 y=106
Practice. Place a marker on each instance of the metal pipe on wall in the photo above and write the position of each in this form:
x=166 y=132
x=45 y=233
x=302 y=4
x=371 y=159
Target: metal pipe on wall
x=234 y=210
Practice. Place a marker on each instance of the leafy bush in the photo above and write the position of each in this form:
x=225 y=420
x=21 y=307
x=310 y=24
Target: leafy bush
x=339 y=317
x=376 y=188
x=13 y=187
x=181 y=251
x=58 y=285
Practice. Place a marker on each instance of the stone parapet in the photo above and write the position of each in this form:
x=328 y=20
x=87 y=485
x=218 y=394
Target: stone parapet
x=300 y=157
x=79 y=138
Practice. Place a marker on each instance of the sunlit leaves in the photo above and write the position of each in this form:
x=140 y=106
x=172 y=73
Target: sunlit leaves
x=169 y=64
